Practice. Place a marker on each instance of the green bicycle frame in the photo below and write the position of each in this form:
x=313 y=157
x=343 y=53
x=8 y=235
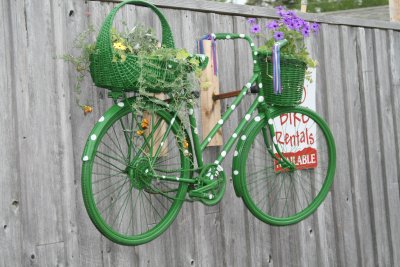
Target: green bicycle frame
x=258 y=104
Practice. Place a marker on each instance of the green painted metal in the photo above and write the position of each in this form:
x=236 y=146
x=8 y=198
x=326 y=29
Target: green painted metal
x=209 y=186
x=110 y=119
x=293 y=176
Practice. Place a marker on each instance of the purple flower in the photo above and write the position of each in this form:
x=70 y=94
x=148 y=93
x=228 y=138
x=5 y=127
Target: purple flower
x=315 y=27
x=273 y=25
x=287 y=20
x=291 y=13
x=305 y=31
x=278 y=36
x=255 y=28
x=251 y=20
x=282 y=13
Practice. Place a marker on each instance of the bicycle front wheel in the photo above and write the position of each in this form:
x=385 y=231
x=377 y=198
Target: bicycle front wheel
x=280 y=193
x=125 y=156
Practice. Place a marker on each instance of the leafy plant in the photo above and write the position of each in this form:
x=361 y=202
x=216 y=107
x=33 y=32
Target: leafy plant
x=289 y=27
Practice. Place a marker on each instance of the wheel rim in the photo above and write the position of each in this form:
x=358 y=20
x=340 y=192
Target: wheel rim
x=278 y=195
x=122 y=197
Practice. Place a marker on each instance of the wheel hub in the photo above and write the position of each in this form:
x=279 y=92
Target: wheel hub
x=140 y=173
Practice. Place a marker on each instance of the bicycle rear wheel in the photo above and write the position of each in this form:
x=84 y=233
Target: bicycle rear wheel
x=280 y=195
x=124 y=152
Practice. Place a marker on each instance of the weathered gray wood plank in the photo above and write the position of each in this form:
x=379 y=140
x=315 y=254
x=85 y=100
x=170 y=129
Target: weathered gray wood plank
x=354 y=130
x=372 y=148
x=10 y=191
x=387 y=135
x=256 y=11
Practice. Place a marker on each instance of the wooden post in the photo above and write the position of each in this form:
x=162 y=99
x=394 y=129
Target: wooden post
x=210 y=110
x=303 y=6
x=394 y=8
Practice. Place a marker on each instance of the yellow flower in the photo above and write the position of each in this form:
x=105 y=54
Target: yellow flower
x=139 y=132
x=119 y=46
x=87 y=109
x=145 y=124
x=123 y=58
x=185 y=144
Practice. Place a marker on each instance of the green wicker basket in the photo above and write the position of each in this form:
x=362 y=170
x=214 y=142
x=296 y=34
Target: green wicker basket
x=135 y=72
x=292 y=80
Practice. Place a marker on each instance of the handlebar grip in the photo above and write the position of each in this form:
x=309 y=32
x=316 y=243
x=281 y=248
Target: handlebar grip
x=281 y=43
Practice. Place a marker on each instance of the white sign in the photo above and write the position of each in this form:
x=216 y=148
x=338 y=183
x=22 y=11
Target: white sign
x=297 y=134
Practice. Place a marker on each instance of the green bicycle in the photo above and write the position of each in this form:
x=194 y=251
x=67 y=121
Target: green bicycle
x=137 y=173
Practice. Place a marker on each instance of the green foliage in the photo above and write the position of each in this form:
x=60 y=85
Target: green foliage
x=143 y=43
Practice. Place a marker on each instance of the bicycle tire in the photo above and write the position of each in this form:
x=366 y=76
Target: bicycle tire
x=313 y=181
x=105 y=159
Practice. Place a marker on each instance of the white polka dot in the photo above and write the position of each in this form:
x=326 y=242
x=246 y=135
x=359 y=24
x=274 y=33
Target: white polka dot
x=196 y=131
x=260 y=99
x=209 y=139
x=163 y=177
x=256 y=53
x=219 y=168
x=221 y=121
x=243 y=137
x=93 y=137
x=101 y=119
x=236 y=153
x=248 y=85
x=233 y=107
x=235 y=172
x=216 y=162
x=177 y=178
x=234 y=135
x=172 y=121
x=121 y=104
x=247 y=117
x=223 y=154
x=85 y=158
x=241 y=35
x=228 y=37
x=270 y=121
x=258 y=118
x=252 y=44
x=260 y=85
x=191 y=111
x=255 y=61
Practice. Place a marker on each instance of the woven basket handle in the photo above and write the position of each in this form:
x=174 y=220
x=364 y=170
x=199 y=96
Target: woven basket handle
x=105 y=31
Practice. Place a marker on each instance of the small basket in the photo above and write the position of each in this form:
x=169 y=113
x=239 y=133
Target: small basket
x=292 y=80
x=135 y=72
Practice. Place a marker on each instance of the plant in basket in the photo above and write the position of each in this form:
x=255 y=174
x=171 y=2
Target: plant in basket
x=295 y=58
x=134 y=60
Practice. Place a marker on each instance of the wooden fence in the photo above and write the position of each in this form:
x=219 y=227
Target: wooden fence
x=42 y=133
